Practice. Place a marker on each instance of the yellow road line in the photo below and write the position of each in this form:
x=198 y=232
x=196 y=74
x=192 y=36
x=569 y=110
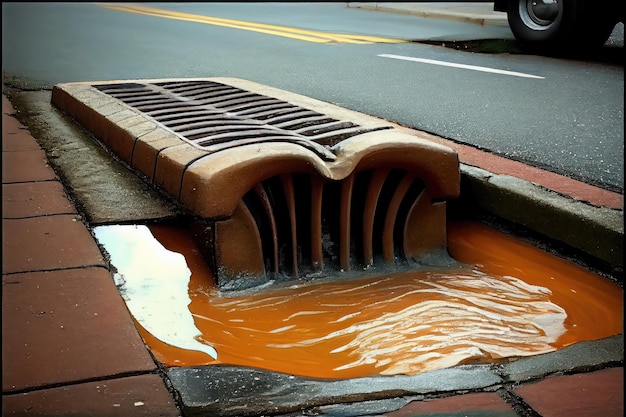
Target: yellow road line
x=294 y=33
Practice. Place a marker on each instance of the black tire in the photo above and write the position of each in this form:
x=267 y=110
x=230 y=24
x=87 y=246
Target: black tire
x=563 y=26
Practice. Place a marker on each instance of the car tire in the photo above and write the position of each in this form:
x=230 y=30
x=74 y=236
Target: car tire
x=563 y=26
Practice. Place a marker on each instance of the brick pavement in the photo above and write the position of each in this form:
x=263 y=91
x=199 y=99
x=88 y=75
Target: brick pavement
x=69 y=346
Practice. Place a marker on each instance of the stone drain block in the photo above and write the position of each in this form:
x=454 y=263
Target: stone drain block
x=285 y=186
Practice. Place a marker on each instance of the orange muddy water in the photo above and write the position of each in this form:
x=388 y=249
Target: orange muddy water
x=508 y=300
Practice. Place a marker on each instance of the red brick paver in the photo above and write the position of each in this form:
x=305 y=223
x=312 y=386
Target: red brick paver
x=46 y=243
x=32 y=199
x=582 y=395
x=481 y=404
x=66 y=326
x=562 y=184
x=143 y=395
x=69 y=345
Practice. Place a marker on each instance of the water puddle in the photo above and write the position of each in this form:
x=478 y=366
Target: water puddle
x=509 y=300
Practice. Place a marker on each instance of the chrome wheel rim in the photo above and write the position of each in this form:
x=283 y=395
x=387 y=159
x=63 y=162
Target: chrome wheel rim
x=540 y=14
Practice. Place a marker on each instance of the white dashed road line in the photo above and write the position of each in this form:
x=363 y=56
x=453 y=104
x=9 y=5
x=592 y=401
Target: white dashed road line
x=463 y=66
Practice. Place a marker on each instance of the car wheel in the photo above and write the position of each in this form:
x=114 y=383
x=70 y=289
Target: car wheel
x=560 y=25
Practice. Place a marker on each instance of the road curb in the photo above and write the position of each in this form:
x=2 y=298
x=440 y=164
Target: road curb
x=428 y=11
x=597 y=231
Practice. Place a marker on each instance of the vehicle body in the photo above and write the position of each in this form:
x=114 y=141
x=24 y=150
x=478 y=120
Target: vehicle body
x=562 y=25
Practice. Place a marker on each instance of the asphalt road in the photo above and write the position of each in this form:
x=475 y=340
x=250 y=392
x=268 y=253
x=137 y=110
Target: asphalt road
x=565 y=115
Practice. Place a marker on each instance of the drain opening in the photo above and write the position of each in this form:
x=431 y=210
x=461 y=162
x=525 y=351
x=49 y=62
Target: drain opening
x=305 y=228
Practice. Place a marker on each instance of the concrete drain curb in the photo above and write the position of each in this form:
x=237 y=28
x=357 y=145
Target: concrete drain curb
x=163 y=156
x=241 y=156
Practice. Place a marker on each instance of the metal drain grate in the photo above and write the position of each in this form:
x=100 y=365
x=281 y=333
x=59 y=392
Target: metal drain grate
x=286 y=186
x=214 y=116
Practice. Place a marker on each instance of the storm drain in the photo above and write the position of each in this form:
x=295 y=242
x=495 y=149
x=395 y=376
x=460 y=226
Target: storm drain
x=285 y=186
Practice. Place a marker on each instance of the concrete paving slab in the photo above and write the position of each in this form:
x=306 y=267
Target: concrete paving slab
x=228 y=390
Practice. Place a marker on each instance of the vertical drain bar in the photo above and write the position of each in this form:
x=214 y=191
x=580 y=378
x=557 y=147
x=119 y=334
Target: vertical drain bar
x=288 y=187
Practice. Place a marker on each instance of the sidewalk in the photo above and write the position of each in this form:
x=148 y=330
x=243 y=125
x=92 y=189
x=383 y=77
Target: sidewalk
x=70 y=347
x=480 y=13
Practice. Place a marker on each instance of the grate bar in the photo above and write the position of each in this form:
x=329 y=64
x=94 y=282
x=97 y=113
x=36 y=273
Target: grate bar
x=223 y=101
x=317 y=254
x=320 y=129
x=179 y=110
x=179 y=114
x=312 y=146
x=290 y=115
x=303 y=122
x=369 y=210
x=201 y=93
x=266 y=115
x=218 y=130
x=136 y=96
x=236 y=133
x=269 y=213
x=201 y=120
x=155 y=106
x=392 y=217
x=181 y=85
x=151 y=108
x=287 y=183
x=344 y=223
x=262 y=107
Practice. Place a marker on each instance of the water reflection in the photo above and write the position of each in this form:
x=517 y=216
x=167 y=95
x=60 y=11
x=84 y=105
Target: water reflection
x=511 y=300
x=154 y=283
